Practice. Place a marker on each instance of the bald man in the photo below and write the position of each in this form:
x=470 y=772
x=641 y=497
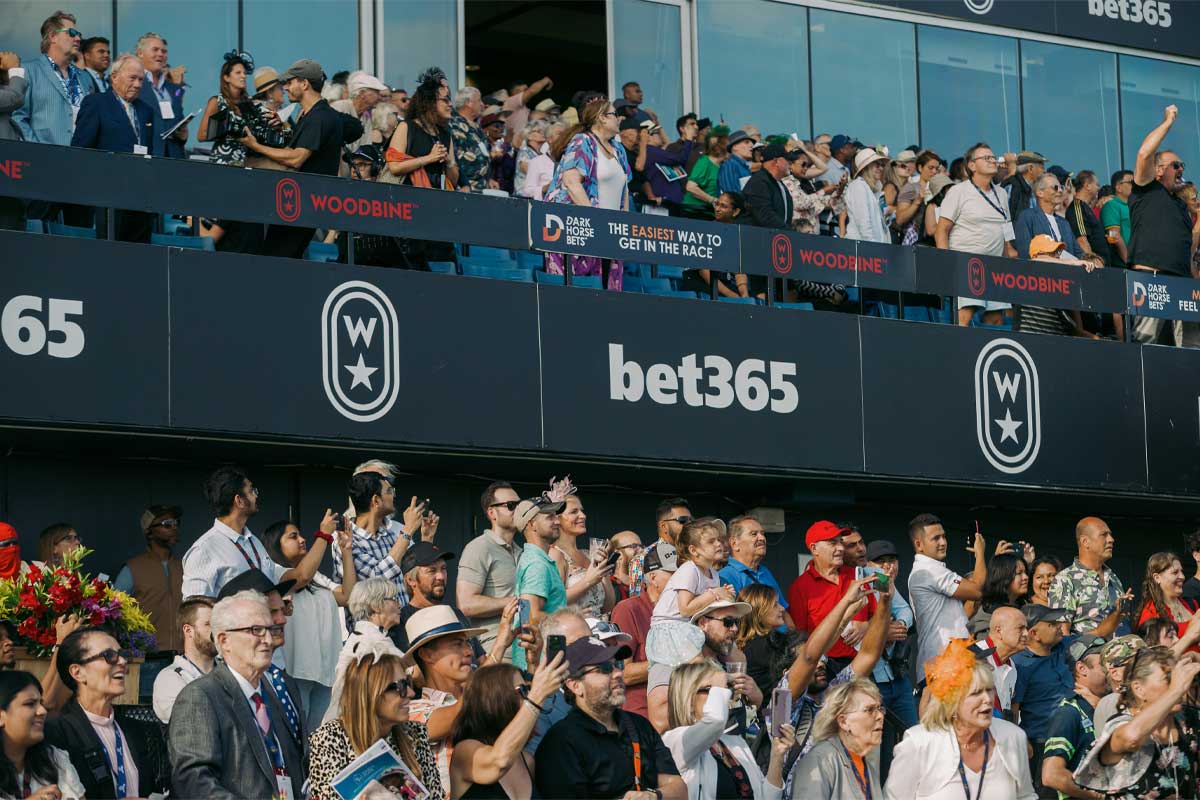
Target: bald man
x=1090 y=592
x=1007 y=635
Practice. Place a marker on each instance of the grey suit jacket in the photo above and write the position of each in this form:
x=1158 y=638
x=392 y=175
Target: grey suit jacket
x=46 y=114
x=215 y=745
x=12 y=97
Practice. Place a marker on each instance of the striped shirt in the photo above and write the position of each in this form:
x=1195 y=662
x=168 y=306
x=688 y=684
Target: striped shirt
x=220 y=555
x=372 y=557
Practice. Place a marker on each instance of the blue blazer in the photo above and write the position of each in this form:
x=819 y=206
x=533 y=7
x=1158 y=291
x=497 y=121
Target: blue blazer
x=45 y=116
x=1033 y=221
x=172 y=148
x=104 y=125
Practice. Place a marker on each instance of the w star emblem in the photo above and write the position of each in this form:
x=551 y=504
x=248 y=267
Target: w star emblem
x=1008 y=413
x=360 y=358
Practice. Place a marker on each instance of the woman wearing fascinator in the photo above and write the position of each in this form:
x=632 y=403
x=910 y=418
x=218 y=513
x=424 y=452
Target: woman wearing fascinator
x=584 y=572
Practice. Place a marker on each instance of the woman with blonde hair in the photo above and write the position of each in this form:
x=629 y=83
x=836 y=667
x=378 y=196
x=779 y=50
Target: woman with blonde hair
x=864 y=198
x=712 y=763
x=373 y=705
x=1149 y=748
x=844 y=764
x=959 y=746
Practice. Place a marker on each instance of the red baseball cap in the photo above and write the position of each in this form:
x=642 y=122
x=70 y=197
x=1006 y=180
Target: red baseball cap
x=822 y=531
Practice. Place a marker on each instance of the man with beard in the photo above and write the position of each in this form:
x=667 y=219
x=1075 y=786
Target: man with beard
x=228 y=548
x=155 y=577
x=538 y=579
x=425 y=578
x=195 y=660
x=587 y=754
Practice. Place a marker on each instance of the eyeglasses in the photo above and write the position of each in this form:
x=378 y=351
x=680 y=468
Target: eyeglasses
x=166 y=523
x=609 y=114
x=74 y=34
x=252 y=491
x=629 y=546
x=1179 y=165
x=989 y=159
x=110 y=656
x=728 y=622
x=1055 y=188
x=873 y=711
x=403 y=686
x=511 y=505
x=605 y=668
x=258 y=631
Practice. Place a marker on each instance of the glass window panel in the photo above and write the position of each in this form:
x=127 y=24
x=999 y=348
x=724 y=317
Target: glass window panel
x=1149 y=86
x=21 y=22
x=1078 y=88
x=726 y=29
x=646 y=49
x=864 y=74
x=280 y=32
x=969 y=91
x=419 y=34
x=198 y=33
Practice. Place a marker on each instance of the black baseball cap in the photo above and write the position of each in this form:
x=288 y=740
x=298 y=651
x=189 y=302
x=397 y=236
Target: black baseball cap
x=583 y=653
x=1085 y=645
x=257 y=581
x=881 y=548
x=424 y=554
x=1035 y=613
x=776 y=150
x=630 y=124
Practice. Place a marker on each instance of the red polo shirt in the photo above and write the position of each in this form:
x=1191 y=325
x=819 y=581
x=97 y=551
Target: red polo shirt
x=632 y=616
x=811 y=597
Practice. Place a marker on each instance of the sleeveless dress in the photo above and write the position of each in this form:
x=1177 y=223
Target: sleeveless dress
x=494 y=791
x=228 y=150
x=592 y=602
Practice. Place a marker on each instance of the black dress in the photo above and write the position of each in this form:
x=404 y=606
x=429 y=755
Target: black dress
x=420 y=143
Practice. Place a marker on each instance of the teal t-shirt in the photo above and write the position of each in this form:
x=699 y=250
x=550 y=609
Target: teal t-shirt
x=538 y=575
x=1114 y=213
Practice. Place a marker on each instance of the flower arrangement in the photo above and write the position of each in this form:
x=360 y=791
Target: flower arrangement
x=35 y=601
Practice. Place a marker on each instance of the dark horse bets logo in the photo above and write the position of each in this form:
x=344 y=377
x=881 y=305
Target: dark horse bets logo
x=287 y=200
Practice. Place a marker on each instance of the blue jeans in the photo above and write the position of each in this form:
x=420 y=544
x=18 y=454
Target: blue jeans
x=898 y=699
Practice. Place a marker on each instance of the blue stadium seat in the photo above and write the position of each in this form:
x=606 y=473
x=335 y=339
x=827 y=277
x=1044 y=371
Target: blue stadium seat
x=443 y=267
x=59 y=229
x=499 y=273
x=664 y=271
x=35 y=226
x=654 y=285
x=529 y=260
x=586 y=281
x=188 y=242
x=319 y=251
x=495 y=253
x=745 y=301
x=796 y=306
x=171 y=225
x=541 y=276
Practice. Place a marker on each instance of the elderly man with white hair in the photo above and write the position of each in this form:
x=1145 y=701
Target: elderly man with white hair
x=363 y=93
x=472 y=149
x=163 y=91
x=229 y=736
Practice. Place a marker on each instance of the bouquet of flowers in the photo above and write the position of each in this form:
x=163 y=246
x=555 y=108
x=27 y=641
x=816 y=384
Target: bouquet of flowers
x=35 y=601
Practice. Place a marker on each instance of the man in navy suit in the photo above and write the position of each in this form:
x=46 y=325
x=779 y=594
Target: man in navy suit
x=1043 y=217
x=118 y=121
x=163 y=93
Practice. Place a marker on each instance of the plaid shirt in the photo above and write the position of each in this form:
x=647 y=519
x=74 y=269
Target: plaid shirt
x=371 y=559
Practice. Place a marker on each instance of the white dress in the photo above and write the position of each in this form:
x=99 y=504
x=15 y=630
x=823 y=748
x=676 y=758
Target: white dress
x=68 y=779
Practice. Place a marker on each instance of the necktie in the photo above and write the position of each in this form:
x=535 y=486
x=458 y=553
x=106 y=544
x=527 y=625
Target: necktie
x=260 y=714
x=275 y=676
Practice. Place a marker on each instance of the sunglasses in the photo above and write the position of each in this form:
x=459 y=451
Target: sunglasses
x=9 y=543
x=605 y=668
x=680 y=520
x=110 y=656
x=403 y=686
x=728 y=622
x=1179 y=165
x=74 y=34
x=511 y=505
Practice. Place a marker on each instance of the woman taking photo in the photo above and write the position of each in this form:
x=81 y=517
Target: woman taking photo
x=374 y=705
x=90 y=664
x=959 y=747
x=584 y=573
x=1042 y=572
x=499 y=713
x=1006 y=584
x=313 y=634
x=592 y=171
x=1162 y=593
x=29 y=766
x=712 y=763
x=1149 y=749
x=440 y=649
x=844 y=764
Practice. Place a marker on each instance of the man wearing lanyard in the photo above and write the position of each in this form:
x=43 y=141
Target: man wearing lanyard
x=228 y=548
x=164 y=96
x=195 y=661
x=974 y=218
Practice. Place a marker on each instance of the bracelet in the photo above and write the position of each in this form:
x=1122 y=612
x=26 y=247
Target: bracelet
x=535 y=705
x=323 y=535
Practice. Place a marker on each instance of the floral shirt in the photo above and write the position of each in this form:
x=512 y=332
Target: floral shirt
x=472 y=152
x=420 y=710
x=807 y=206
x=580 y=155
x=1088 y=595
x=1154 y=771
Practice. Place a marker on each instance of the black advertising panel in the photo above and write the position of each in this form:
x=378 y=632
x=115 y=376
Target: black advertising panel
x=328 y=351
x=801 y=256
x=1001 y=408
x=1026 y=283
x=1166 y=26
x=691 y=381
x=83 y=331
x=1149 y=295
x=1172 y=388
x=165 y=184
x=644 y=238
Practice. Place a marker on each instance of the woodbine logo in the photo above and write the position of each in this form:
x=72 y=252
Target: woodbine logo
x=289 y=204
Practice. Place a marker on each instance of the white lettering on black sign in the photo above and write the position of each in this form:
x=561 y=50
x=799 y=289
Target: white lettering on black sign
x=24 y=332
x=1149 y=12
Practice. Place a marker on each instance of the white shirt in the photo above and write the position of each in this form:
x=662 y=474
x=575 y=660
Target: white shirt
x=979 y=218
x=925 y=766
x=541 y=170
x=214 y=560
x=610 y=181
x=168 y=683
x=68 y=779
x=864 y=216
x=108 y=730
x=939 y=617
x=313 y=634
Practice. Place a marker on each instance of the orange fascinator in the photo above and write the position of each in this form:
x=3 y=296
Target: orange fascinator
x=949 y=675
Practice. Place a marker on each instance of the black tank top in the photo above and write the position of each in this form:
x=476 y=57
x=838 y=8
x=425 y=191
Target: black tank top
x=420 y=144
x=494 y=791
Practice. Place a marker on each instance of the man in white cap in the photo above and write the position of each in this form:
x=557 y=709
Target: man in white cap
x=538 y=579
x=364 y=92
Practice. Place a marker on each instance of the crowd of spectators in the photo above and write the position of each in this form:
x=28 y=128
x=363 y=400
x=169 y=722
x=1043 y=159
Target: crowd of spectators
x=556 y=654
x=608 y=153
